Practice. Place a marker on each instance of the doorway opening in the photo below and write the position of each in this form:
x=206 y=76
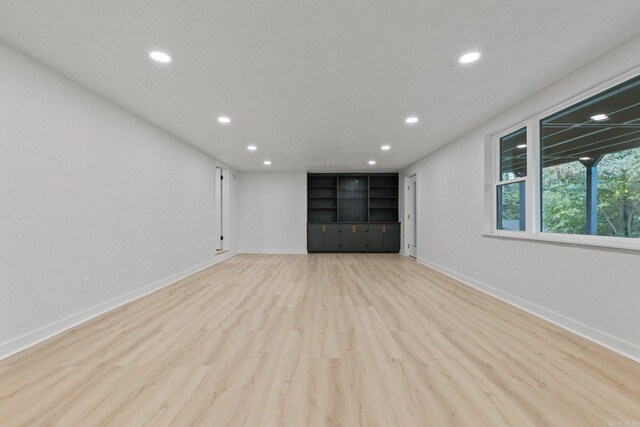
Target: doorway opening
x=412 y=217
x=221 y=198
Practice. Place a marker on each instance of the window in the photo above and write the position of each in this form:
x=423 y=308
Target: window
x=510 y=188
x=586 y=185
x=513 y=155
x=590 y=158
x=511 y=205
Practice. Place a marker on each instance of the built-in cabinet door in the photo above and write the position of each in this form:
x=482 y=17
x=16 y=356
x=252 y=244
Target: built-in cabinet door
x=315 y=237
x=391 y=237
x=331 y=238
x=353 y=237
x=376 y=243
x=346 y=237
x=359 y=237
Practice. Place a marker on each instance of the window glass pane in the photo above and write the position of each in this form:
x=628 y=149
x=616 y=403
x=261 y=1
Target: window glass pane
x=564 y=198
x=511 y=206
x=513 y=155
x=590 y=159
x=619 y=194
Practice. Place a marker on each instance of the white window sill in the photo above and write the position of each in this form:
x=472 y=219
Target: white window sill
x=630 y=244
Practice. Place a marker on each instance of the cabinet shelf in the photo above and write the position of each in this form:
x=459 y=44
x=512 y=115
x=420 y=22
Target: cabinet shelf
x=352 y=198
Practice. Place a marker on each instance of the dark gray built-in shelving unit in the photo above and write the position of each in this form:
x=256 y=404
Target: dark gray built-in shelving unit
x=352 y=213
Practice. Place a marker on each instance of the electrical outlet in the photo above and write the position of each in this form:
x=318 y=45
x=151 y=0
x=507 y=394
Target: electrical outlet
x=86 y=284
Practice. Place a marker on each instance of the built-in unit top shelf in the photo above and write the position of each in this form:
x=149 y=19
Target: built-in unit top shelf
x=352 y=198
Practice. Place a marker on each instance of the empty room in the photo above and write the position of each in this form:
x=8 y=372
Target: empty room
x=320 y=213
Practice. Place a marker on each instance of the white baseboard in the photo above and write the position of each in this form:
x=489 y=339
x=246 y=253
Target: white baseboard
x=35 y=337
x=276 y=252
x=622 y=347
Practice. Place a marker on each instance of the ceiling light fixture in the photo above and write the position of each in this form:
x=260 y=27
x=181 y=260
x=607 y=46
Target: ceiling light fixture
x=585 y=158
x=600 y=117
x=160 y=56
x=224 y=119
x=411 y=120
x=372 y=162
x=385 y=147
x=470 y=57
x=521 y=146
x=252 y=148
x=267 y=162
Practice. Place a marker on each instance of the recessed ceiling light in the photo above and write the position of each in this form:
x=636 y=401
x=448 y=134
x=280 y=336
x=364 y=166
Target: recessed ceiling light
x=160 y=56
x=411 y=120
x=267 y=162
x=470 y=57
x=600 y=117
x=372 y=162
x=585 y=158
x=224 y=119
x=252 y=148
x=385 y=147
x=521 y=146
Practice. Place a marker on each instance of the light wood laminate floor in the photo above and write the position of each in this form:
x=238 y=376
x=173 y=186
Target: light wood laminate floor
x=318 y=340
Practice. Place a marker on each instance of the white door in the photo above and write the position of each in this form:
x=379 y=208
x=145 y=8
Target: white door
x=412 y=217
x=218 y=212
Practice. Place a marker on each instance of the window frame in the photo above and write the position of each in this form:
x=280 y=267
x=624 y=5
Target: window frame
x=533 y=188
x=497 y=174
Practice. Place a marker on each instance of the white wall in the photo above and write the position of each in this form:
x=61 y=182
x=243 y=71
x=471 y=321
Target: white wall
x=272 y=212
x=88 y=190
x=595 y=292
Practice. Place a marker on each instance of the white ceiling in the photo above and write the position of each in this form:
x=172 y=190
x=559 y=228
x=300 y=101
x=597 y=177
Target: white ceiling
x=317 y=85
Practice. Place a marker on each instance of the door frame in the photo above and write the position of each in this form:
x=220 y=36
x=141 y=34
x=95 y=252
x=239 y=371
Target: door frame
x=221 y=206
x=410 y=208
